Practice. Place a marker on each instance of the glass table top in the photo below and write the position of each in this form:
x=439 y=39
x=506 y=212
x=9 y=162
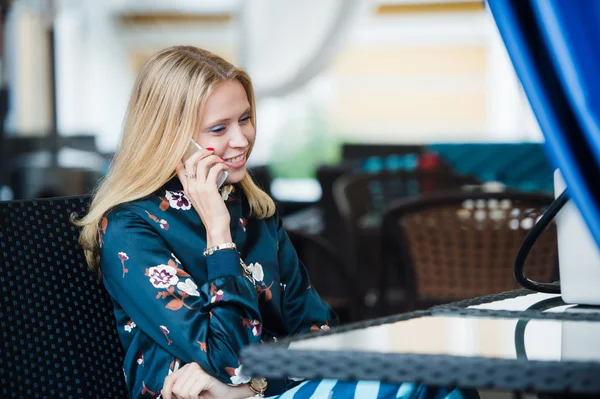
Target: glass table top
x=459 y=335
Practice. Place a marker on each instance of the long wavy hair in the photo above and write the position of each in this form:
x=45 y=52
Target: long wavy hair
x=163 y=113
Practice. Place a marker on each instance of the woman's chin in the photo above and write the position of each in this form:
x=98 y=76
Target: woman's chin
x=236 y=176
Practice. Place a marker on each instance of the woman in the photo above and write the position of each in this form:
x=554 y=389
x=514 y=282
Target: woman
x=195 y=273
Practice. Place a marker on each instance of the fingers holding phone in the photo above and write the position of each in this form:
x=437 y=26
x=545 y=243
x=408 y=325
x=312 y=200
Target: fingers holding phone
x=193 y=161
x=198 y=170
x=199 y=175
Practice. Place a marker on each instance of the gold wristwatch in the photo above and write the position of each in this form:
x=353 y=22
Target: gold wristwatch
x=258 y=385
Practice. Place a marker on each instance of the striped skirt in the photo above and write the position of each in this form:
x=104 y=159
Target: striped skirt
x=336 y=389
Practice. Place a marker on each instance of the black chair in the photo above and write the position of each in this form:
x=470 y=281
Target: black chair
x=444 y=247
x=328 y=274
x=58 y=331
x=332 y=220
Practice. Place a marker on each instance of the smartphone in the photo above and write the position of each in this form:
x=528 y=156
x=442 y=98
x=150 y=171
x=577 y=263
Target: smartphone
x=192 y=148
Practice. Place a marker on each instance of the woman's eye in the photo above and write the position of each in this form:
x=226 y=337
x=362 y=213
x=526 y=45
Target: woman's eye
x=217 y=129
x=246 y=118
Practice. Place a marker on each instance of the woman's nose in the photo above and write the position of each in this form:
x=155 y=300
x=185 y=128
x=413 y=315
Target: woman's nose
x=238 y=138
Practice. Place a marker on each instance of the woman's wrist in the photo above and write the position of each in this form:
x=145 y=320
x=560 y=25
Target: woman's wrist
x=217 y=237
x=242 y=392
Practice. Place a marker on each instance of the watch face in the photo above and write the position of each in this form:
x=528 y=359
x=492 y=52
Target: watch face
x=259 y=383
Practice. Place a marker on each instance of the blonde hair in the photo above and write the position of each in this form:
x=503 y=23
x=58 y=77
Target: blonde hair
x=162 y=115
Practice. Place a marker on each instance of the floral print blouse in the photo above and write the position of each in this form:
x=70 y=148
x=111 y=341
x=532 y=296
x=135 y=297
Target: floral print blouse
x=173 y=305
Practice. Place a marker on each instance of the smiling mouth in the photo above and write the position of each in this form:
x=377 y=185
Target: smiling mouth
x=236 y=159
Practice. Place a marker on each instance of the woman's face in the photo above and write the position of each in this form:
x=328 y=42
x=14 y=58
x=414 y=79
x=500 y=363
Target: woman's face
x=226 y=126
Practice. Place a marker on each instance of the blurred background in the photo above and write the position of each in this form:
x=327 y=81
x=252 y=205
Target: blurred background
x=360 y=103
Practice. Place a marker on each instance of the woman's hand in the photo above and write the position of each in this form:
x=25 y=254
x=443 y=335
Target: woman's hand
x=203 y=193
x=190 y=381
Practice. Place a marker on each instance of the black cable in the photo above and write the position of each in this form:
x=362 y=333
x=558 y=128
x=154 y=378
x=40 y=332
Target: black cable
x=534 y=233
x=522 y=323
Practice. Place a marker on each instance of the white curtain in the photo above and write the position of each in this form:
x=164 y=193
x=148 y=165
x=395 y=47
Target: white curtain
x=286 y=43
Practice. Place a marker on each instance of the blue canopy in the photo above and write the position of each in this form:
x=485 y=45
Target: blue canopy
x=554 y=46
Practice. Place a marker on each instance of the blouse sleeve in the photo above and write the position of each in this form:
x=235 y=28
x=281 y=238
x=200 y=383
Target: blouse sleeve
x=302 y=307
x=207 y=322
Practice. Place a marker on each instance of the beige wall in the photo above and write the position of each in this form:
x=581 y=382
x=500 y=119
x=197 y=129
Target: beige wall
x=434 y=89
x=27 y=52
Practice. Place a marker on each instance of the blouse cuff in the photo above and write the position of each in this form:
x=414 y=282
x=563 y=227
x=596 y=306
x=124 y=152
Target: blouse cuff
x=223 y=263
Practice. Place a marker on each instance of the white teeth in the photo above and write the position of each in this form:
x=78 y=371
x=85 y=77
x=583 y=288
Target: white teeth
x=236 y=159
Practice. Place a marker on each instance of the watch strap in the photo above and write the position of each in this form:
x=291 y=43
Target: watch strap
x=225 y=246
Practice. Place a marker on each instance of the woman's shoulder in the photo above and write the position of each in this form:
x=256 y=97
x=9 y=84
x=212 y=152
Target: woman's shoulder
x=121 y=215
x=135 y=209
x=169 y=195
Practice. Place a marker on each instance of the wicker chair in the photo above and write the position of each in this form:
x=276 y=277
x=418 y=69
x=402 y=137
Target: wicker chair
x=362 y=200
x=448 y=246
x=58 y=330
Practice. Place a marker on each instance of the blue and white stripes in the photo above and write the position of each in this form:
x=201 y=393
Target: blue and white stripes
x=336 y=389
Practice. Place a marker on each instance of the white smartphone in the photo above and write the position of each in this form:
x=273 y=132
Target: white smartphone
x=192 y=148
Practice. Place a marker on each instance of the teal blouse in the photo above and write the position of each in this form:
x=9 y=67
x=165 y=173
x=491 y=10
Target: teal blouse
x=174 y=306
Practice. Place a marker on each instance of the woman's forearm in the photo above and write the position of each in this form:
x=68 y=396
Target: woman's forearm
x=243 y=392
x=222 y=391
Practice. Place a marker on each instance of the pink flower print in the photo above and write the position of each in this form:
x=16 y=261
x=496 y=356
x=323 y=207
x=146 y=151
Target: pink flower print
x=176 y=303
x=243 y=223
x=123 y=256
x=174 y=366
x=254 y=325
x=102 y=230
x=166 y=331
x=236 y=376
x=202 y=346
x=162 y=222
x=162 y=276
x=167 y=277
x=130 y=326
x=257 y=271
x=324 y=327
x=145 y=390
x=247 y=272
x=164 y=203
x=189 y=287
x=140 y=358
x=103 y=224
x=263 y=289
x=217 y=295
x=257 y=329
x=178 y=200
x=175 y=265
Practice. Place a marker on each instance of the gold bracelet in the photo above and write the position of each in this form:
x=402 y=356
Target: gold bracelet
x=212 y=250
